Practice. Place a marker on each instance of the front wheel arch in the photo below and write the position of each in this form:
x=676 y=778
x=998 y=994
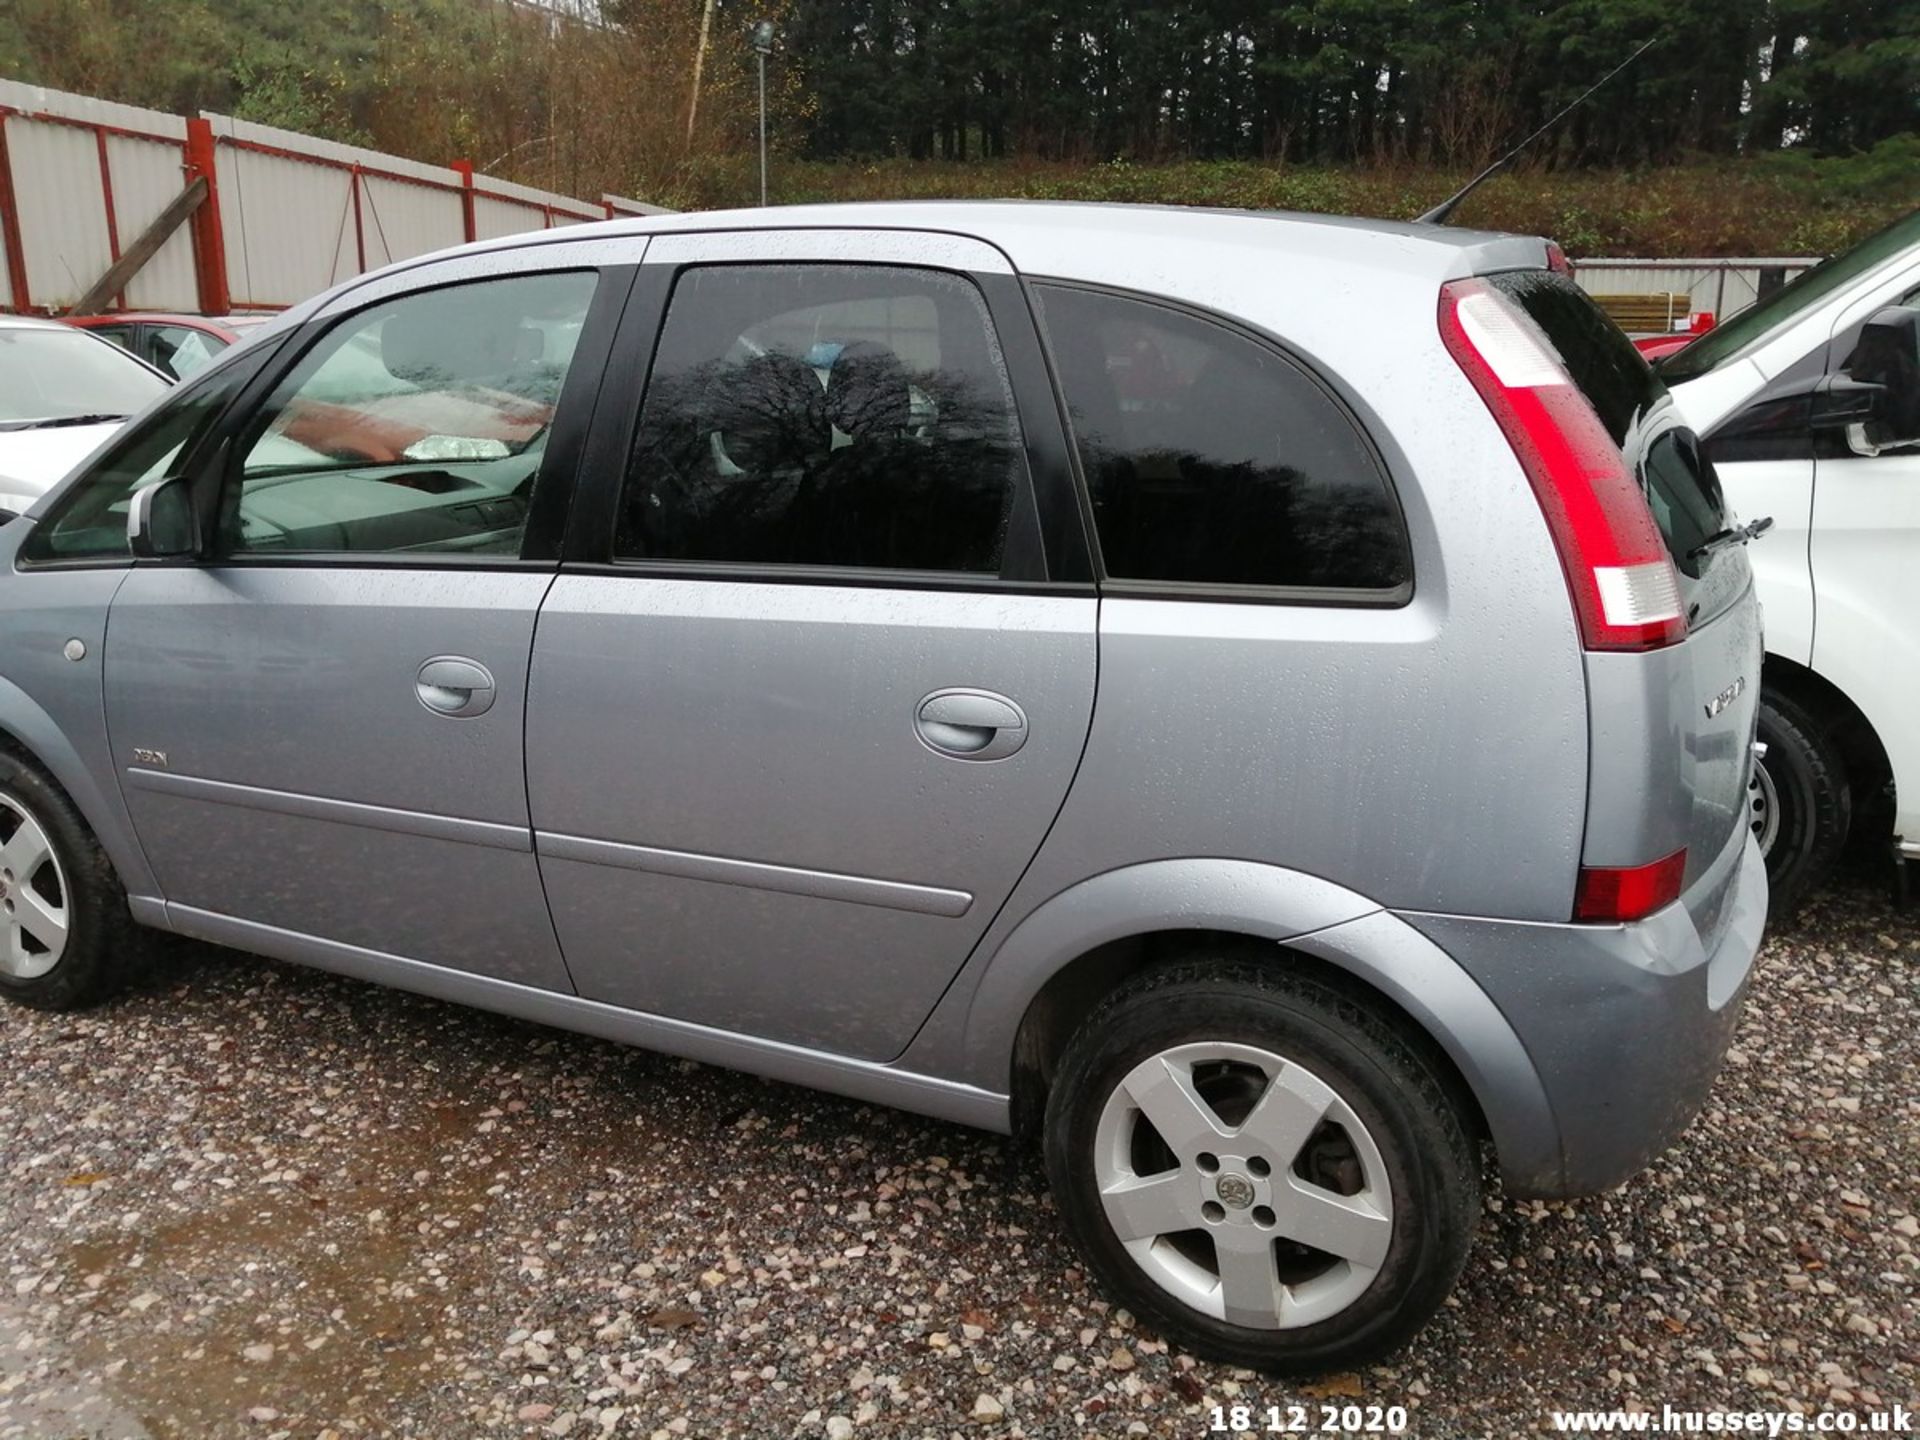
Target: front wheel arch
x=31 y=735
x=1859 y=743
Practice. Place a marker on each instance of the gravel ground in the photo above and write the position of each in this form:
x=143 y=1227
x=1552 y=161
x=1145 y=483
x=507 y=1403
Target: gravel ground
x=255 y=1200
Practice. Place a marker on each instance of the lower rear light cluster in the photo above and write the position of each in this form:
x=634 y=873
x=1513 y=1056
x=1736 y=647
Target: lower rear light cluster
x=1624 y=589
x=1609 y=896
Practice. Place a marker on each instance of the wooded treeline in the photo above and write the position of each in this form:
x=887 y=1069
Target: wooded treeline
x=1374 y=106
x=1317 y=81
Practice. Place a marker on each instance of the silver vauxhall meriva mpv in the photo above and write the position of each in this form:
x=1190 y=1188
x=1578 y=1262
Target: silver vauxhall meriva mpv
x=1260 y=705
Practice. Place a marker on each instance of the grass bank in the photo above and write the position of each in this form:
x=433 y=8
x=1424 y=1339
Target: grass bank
x=1780 y=205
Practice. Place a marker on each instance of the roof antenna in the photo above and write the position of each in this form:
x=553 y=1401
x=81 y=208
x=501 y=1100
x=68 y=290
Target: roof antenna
x=1438 y=215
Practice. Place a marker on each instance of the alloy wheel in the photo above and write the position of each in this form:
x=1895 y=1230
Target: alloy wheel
x=1243 y=1185
x=33 y=896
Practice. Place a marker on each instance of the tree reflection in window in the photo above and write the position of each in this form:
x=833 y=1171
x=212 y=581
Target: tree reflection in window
x=848 y=454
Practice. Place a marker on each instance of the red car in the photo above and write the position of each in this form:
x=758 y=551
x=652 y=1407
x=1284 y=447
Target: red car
x=177 y=344
x=1658 y=347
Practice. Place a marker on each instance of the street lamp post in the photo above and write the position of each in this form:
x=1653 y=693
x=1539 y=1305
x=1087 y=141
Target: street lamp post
x=763 y=47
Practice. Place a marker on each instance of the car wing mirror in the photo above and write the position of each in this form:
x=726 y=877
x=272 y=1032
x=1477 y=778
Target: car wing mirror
x=1841 y=401
x=161 y=524
x=1886 y=359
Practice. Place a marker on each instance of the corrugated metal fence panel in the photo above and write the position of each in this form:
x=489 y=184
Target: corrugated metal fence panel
x=38 y=100
x=566 y=209
x=147 y=175
x=287 y=206
x=65 y=243
x=313 y=150
x=54 y=143
x=493 y=218
x=288 y=227
x=512 y=209
x=622 y=205
x=401 y=220
x=297 y=214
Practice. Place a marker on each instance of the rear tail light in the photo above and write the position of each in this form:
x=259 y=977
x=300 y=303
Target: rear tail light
x=1557 y=260
x=1607 y=896
x=1624 y=589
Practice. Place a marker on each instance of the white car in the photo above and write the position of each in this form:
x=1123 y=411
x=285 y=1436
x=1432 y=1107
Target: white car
x=62 y=392
x=1810 y=407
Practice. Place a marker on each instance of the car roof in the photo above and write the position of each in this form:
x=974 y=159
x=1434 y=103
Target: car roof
x=29 y=322
x=1122 y=244
x=1041 y=230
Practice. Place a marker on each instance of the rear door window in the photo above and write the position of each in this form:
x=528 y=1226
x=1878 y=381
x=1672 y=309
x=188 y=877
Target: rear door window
x=1681 y=486
x=852 y=416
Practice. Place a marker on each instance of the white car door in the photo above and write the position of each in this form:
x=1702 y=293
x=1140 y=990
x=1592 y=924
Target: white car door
x=1864 y=555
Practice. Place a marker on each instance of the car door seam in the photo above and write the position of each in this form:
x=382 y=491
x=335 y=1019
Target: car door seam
x=975 y=951
x=526 y=766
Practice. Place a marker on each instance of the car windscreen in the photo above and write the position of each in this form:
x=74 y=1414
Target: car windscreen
x=54 y=375
x=1681 y=487
x=1789 y=300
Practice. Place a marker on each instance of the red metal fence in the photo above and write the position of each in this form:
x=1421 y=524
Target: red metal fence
x=286 y=215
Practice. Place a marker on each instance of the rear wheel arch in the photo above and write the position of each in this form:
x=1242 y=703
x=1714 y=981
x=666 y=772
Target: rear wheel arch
x=1077 y=989
x=1053 y=969
x=1179 y=1103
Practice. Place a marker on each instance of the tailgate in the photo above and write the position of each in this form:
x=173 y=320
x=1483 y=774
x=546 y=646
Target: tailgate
x=1673 y=753
x=1719 y=693
x=1672 y=749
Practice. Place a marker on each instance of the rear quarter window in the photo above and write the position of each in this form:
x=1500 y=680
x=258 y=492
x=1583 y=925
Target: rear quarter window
x=1213 y=459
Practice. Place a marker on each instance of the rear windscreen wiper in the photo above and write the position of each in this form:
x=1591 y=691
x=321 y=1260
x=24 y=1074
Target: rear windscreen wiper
x=1739 y=535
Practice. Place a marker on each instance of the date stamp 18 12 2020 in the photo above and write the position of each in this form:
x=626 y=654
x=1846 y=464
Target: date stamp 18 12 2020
x=1314 y=1419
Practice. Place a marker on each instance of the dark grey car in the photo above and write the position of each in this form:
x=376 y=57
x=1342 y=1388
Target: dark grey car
x=1261 y=704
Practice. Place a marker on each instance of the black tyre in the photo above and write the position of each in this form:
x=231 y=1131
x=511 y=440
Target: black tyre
x=1802 y=805
x=66 y=939
x=1260 y=1167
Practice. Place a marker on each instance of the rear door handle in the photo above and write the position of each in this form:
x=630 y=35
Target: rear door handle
x=455 y=686
x=970 y=724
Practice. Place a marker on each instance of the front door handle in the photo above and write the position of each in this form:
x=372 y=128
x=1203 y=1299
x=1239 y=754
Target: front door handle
x=455 y=686
x=970 y=724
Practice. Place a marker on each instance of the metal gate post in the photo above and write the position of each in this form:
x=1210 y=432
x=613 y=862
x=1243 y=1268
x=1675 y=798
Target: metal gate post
x=465 y=171
x=209 y=240
x=359 y=225
x=10 y=226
